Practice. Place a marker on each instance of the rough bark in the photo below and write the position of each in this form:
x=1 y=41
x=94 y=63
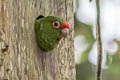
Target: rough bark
x=20 y=57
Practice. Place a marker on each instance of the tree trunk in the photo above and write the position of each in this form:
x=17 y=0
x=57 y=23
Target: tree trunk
x=20 y=57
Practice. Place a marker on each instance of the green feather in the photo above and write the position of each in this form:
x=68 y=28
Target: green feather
x=47 y=36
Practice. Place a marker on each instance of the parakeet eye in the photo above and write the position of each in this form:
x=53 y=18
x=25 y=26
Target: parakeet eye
x=56 y=24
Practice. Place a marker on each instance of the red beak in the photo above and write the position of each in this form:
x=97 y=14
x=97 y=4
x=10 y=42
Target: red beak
x=65 y=25
x=65 y=28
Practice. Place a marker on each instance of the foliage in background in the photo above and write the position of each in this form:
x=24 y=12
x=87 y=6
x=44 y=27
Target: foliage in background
x=85 y=70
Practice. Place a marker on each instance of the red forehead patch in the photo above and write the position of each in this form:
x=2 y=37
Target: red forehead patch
x=65 y=25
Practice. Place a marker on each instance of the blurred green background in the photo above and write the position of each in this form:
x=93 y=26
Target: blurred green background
x=85 y=69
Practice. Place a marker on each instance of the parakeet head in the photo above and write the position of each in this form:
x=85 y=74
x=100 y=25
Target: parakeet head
x=49 y=30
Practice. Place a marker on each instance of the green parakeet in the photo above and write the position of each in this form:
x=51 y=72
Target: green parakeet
x=49 y=30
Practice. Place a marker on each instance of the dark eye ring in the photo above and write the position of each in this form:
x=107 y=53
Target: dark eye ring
x=56 y=24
